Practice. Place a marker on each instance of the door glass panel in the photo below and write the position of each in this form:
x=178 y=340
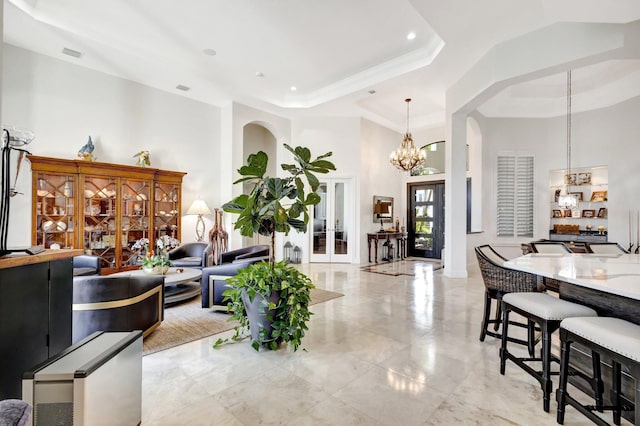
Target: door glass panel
x=424 y=227
x=430 y=210
x=320 y=222
x=423 y=195
x=340 y=240
x=423 y=242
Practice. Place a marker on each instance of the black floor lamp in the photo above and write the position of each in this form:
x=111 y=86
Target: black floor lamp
x=11 y=143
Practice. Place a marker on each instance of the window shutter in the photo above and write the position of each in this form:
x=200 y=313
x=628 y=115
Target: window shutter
x=515 y=196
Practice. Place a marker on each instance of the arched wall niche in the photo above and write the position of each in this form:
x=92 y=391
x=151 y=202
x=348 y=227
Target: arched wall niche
x=257 y=136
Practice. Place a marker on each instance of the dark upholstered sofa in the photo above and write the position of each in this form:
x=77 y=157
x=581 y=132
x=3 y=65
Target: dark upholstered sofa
x=233 y=261
x=86 y=265
x=122 y=303
x=189 y=255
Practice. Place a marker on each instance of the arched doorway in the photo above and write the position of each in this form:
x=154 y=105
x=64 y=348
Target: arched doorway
x=256 y=137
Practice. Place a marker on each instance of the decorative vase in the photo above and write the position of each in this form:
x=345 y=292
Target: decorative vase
x=156 y=270
x=258 y=317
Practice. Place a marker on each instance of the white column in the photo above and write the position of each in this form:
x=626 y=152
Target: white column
x=455 y=194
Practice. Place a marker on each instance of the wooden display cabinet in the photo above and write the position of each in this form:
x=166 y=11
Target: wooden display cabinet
x=103 y=208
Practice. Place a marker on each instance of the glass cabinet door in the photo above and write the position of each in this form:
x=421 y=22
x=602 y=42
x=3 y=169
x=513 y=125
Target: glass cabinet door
x=99 y=224
x=134 y=217
x=54 y=210
x=166 y=210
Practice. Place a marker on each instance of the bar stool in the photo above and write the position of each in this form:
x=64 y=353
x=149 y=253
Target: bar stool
x=547 y=312
x=499 y=281
x=610 y=337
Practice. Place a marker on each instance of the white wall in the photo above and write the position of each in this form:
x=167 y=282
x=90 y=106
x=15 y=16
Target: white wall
x=63 y=104
x=607 y=136
x=378 y=177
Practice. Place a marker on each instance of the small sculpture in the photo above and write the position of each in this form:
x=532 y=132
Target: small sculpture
x=86 y=152
x=143 y=159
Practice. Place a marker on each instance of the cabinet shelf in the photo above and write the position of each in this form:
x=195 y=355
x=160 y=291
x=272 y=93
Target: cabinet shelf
x=595 y=186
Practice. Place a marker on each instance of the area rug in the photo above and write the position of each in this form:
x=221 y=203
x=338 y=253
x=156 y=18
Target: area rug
x=408 y=266
x=187 y=322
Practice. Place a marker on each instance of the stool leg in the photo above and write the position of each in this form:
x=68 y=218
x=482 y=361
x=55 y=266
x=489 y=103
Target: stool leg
x=635 y=369
x=564 y=375
x=498 y=316
x=485 y=319
x=531 y=338
x=617 y=390
x=598 y=385
x=503 y=346
x=547 y=384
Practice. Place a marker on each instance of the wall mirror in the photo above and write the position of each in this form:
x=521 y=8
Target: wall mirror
x=382 y=209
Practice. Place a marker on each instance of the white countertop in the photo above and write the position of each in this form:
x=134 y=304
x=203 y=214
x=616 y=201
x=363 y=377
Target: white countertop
x=616 y=274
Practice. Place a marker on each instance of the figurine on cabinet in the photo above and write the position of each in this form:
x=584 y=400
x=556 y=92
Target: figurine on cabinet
x=86 y=152
x=143 y=159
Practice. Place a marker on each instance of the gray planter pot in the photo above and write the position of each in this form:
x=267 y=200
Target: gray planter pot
x=257 y=316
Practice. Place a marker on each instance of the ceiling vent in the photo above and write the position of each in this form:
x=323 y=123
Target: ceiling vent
x=72 y=52
x=183 y=87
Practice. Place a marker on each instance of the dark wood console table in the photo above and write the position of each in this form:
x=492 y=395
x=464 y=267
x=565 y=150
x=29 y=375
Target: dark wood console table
x=400 y=237
x=35 y=313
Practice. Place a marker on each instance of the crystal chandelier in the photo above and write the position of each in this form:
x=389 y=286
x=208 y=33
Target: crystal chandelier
x=407 y=157
x=566 y=200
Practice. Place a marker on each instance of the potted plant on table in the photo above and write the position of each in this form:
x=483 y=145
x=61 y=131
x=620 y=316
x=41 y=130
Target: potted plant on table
x=156 y=262
x=271 y=299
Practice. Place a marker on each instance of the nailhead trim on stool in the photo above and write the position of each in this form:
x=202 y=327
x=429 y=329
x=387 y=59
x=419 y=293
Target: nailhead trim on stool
x=546 y=311
x=611 y=337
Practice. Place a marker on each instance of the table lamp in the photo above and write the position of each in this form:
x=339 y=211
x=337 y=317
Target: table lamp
x=200 y=208
x=381 y=208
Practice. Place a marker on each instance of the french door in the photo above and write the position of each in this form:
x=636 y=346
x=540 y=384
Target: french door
x=426 y=219
x=332 y=222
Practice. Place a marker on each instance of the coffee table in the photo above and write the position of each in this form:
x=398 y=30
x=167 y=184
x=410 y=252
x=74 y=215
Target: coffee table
x=178 y=286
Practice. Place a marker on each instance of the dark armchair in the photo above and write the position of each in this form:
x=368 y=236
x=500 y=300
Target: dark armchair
x=189 y=255
x=117 y=303
x=214 y=277
x=86 y=265
x=244 y=253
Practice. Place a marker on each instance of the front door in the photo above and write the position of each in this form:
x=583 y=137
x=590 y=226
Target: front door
x=426 y=219
x=332 y=222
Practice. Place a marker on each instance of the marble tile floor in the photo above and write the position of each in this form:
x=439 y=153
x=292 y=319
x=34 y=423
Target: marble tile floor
x=393 y=351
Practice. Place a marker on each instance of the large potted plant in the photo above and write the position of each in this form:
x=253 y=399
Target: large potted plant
x=271 y=299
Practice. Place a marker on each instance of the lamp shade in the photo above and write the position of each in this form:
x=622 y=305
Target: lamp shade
x=198 y=207
x=381 y=208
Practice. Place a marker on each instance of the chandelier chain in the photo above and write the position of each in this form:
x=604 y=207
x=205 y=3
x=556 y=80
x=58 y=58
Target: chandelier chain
x=569 y=122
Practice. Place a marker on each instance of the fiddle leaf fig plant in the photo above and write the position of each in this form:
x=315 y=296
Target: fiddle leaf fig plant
x=274 y=204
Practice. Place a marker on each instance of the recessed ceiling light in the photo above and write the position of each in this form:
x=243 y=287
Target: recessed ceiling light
x=372 y=92
x=259 y=74
x=183 y=87
x=411 y=35
x=72 y=52
x=209 y=52
x=293 y=88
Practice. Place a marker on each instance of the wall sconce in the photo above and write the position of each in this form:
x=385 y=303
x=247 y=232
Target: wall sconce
x=200 y=208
